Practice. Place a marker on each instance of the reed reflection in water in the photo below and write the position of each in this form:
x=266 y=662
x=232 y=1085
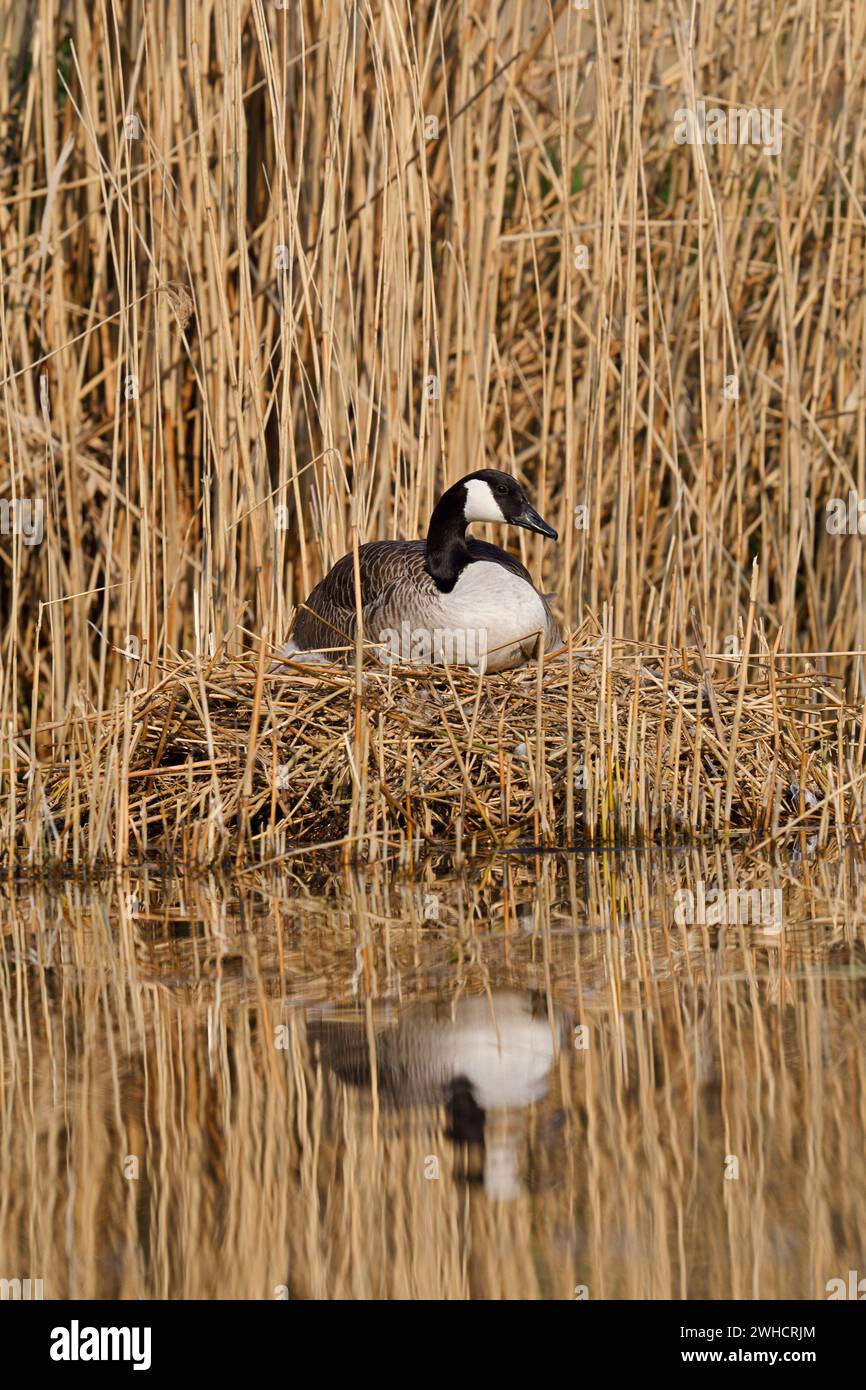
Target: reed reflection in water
x=522 y=1079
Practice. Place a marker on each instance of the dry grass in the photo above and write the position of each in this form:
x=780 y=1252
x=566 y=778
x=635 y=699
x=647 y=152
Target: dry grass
x=234 y=760
x=233 y=251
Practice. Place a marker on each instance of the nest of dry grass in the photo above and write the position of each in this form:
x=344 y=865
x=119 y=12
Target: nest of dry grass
x=602 y=744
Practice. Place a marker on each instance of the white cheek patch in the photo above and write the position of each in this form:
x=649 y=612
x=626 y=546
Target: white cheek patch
x=481 y=505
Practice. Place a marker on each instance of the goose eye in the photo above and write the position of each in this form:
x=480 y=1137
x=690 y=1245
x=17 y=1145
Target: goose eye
x=501 y=488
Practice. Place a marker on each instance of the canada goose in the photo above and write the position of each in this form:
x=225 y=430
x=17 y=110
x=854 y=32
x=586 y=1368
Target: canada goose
x=447 y=598
x=486 y=1057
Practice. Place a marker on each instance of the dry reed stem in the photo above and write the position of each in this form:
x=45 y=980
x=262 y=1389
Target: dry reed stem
x=224 y=759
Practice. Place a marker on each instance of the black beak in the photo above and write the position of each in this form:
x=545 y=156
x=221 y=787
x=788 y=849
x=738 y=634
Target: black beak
x=530 y=519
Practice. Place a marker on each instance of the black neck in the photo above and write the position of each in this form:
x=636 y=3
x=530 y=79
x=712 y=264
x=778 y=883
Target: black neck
x=447 y=551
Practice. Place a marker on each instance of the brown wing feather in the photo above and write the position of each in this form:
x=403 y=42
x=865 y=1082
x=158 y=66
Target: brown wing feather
x=327 y=619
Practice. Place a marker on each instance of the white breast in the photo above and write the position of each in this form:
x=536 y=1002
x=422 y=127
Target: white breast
x=497 y=612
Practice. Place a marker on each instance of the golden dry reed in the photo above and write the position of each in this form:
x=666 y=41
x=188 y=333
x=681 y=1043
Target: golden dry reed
x=178 y=1133
x=272 y=276
x=218 y=764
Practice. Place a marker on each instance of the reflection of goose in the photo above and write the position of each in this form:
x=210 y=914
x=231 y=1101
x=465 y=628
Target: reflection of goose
x=482 y=1056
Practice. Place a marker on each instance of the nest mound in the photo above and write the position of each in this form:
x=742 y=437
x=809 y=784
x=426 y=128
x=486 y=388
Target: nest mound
x=599 y=744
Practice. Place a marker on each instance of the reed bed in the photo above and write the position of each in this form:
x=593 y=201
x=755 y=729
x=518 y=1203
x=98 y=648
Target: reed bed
x=273 y=276
x=245 y=760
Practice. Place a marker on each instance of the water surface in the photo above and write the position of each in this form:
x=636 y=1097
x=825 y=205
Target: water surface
x=526 y=1077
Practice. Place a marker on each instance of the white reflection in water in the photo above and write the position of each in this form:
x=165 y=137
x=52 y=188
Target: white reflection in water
x=485 y=1056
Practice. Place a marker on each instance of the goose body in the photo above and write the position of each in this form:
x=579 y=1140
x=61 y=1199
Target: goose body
x=445 y=599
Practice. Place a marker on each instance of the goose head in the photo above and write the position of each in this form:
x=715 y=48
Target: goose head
x=490 y=495
x=487 y=495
